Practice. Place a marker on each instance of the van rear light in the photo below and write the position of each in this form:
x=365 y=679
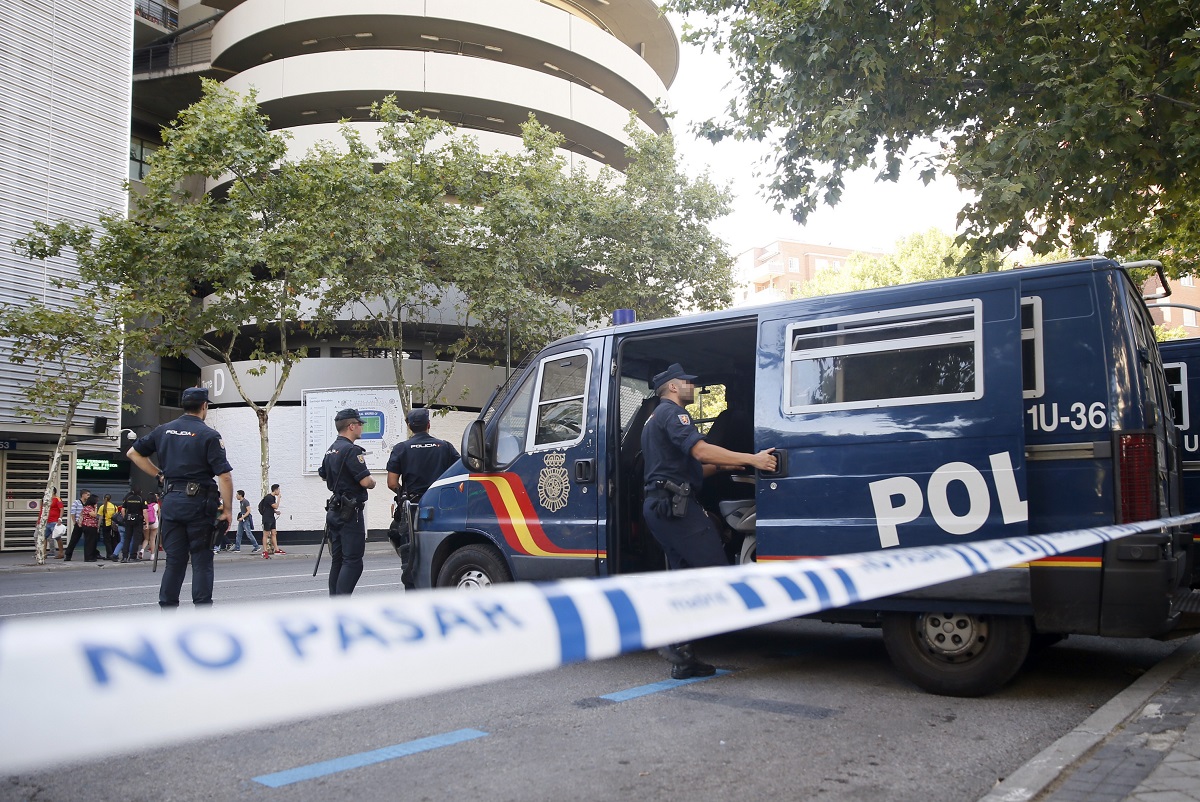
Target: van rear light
x=1139 y=499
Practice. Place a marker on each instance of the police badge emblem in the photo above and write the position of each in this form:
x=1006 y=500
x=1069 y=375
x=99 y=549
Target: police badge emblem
x=554 y=485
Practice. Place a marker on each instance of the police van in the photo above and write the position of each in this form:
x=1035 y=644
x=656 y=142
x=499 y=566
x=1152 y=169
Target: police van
x=970 y=408
x=1181 y=361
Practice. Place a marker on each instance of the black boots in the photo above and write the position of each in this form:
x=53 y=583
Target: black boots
x=684 y=664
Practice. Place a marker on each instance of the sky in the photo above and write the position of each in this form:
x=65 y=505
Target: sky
x=871 y=216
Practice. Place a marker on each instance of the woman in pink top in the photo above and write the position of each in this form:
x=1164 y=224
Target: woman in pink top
x=150 y=532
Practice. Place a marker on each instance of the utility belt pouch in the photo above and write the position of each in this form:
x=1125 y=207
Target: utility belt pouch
x=193 y=489
x=345 y=506
x=679 y=497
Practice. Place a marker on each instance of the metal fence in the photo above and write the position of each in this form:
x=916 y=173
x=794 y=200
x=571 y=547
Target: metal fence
x=157 y=13
x=174 y=54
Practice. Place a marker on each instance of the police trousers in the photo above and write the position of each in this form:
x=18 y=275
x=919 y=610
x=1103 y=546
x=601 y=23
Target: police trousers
x=347 y=543
x=689 y=542
x=186 y=531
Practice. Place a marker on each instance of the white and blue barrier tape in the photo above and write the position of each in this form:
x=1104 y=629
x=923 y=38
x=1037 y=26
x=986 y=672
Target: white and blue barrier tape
x=208 y=665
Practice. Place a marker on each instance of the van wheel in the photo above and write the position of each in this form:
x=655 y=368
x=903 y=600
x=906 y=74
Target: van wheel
x=954 y=654
x=473 y=567
x=749 y=553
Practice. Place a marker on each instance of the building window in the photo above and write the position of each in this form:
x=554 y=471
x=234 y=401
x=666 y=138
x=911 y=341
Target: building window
x=141 y=153
x=793 y=264
x=1187 y=281
x=1166 y=310
x=1189 y=318
x=175 y=376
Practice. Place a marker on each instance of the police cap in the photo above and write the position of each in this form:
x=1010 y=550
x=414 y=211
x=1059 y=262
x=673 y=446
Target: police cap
x=347 y=414
x=675 y=371
x=193 y=396
x=418 y=417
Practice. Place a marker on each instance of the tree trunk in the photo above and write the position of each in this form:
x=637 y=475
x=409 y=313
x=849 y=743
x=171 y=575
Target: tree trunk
x=51 y=478
x=264 y=445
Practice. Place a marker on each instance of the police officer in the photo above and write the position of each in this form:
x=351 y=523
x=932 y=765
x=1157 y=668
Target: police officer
x=345 y=472
x=197 y=477
x=677 y=458
x=411 y=469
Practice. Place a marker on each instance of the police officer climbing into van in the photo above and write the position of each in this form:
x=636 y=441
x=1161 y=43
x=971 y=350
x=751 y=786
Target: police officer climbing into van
x=345 y=472
x=412 y=467
x=196 y=477
x=677 y=458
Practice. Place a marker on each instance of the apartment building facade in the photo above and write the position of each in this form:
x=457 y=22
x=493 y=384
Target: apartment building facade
x=64 y=126
x=777 y=271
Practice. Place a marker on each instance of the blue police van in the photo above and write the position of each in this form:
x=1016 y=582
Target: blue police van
x=1181 y=361
x=985 y=406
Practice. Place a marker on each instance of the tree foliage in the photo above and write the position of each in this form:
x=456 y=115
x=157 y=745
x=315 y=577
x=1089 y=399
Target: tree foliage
x=920 y=257
x=1074 y=122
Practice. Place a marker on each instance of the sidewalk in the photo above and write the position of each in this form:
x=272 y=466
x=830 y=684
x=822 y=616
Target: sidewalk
x=1143 y=746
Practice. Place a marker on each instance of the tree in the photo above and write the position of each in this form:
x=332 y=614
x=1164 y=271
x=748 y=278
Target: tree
x=648 y=243
x=78 y=347
x=919 y=257
x=236 y=277
x=1072 y=121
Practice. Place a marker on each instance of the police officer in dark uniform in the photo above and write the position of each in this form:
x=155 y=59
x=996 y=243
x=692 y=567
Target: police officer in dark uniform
x=411 y=469
x=345 y=472
x=197 y=477
x=677 y=458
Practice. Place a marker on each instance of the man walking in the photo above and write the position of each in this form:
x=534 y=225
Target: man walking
x=345 y=472
x=267 y=508
x=135 y=516
x=411 y=469
x=677 y=458
x=76 y=526
x=198 y=478
x=245 y=522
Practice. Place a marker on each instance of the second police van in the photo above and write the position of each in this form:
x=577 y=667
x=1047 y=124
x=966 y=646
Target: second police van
x=971 y=408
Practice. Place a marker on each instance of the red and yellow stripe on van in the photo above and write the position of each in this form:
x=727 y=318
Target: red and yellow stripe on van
x=519 y=521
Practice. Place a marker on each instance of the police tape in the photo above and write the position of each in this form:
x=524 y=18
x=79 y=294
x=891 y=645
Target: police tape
x=207 y=667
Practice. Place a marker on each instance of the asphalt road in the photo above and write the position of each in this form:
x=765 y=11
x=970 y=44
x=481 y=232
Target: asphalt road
x=807 y=711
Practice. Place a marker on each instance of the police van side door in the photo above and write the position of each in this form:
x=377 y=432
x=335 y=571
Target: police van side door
x=542 y=499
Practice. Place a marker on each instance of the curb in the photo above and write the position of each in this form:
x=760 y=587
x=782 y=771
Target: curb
x=1051 y=763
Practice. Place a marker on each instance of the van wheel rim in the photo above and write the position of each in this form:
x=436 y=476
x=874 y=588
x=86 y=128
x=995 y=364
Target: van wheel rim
x=952 y=637
x=474 y=579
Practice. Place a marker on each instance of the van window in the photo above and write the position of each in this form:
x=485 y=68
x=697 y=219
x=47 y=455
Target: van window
x=915 y=355
x=1177 y=384
x=562 y=391
x=1033 y=371
x=514 y=423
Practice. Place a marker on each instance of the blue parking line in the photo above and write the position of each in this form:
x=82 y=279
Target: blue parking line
x=326 y=767
x=655 y=687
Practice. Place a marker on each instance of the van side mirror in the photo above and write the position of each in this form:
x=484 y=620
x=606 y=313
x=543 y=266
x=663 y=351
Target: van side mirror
x=474 y=447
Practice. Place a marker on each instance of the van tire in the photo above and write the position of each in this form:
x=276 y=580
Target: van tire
x=473 y=567
x=980 y=656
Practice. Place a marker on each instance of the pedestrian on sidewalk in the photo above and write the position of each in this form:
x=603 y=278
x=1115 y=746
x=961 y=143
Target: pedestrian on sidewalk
x=135 y=523
x=54 y=517
x=150 y=534
x=108 y=534
x=76 y=527
x=267 y=509
x=89 y=522
x=245 y=522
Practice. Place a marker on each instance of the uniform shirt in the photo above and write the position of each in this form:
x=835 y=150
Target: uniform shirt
x=419 y=460
x=344 y=466
x=667 y=442
x=188 y=451
x=135 y=509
